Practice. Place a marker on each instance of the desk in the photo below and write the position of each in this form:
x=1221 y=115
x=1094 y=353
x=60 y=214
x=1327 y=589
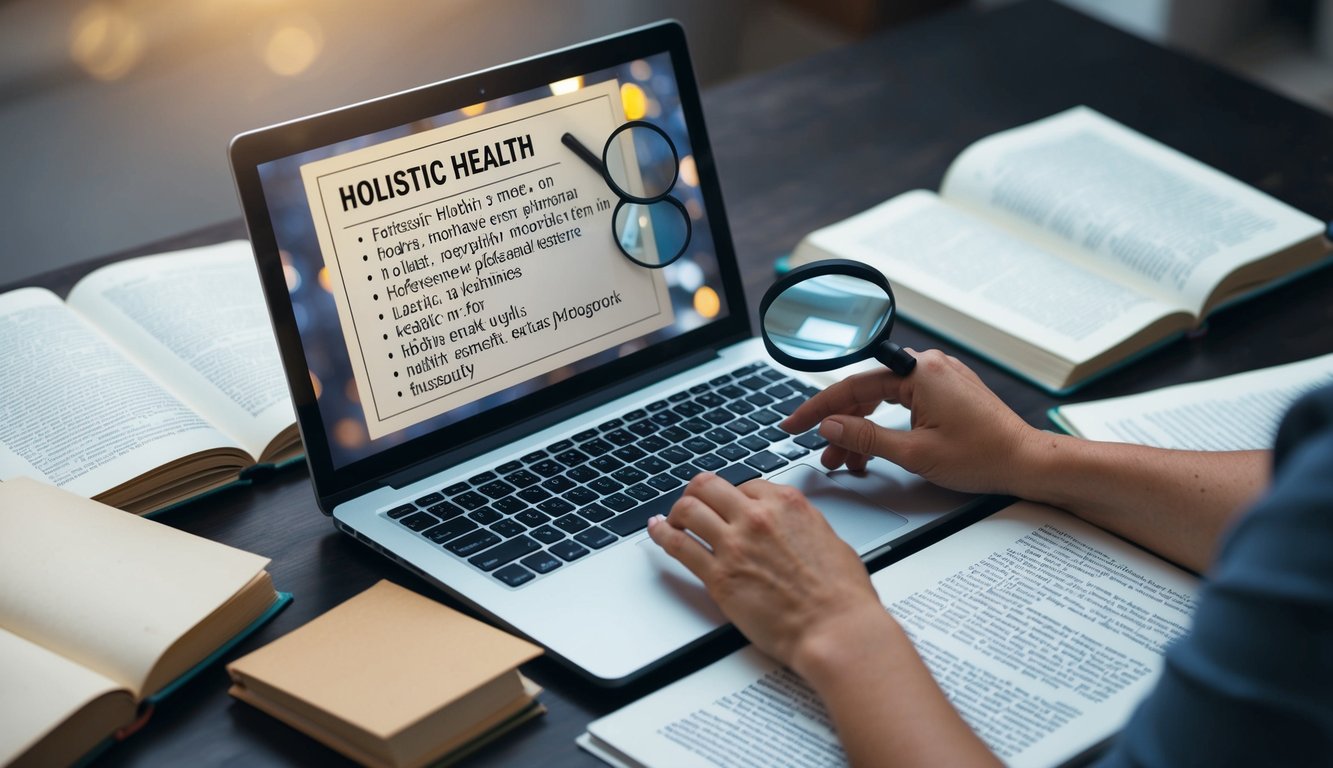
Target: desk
x=798 y=148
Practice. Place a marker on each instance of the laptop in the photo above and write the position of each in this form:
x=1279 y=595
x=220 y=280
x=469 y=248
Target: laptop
x=512 y=321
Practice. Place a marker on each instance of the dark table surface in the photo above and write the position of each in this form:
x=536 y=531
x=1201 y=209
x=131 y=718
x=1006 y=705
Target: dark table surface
x=798 y=148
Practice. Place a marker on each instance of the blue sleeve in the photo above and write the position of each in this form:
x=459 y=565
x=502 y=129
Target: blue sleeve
x=1252 y=682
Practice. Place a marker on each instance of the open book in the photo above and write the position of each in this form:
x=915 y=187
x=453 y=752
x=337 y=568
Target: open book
x=1043 y=631
x=1063 y=247
x=1232 y=413
x=102 y=614
x=157 y=380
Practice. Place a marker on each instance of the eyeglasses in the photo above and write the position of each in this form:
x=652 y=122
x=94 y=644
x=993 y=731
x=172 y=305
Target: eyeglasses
x=640 y=164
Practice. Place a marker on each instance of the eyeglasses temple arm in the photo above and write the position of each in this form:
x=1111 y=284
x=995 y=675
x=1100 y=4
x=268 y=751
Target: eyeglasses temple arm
x=583 y=152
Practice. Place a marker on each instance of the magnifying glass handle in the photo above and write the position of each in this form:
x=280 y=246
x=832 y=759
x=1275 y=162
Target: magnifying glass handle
x=895 y=357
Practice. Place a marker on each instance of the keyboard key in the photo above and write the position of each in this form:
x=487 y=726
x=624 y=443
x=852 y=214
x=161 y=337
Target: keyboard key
x=542 y=562
x=455 y=489
x=586 y=434
x=607 y=426
x=656 y=405
x=711 y=400
x=698 y=389
x=532 y=518
x=733 y=452
x=558 y=484
x=710 y=462
x=509 y=505
x=472 y=543
x=643 y=428
x=571 y=523
x=547 y=535
x=780 y=391
x=522 y=478
x=685 y=472
x=558 y=446
x=652 y=465
x=720 y=380
x=812 y=440
x=665 y=418
x=595 y=538
x=642 y=492
x=481 y=479
x=605 y=485
x=401 y=510
x=419 y=521
x=689 y=409
x=429 y=499
x=508 y=528
x=555 y=507
x=510 y=550
x=509 y=466
x=606 y=464
x=635 y=415
x=677 y=397
x=618 y=502
x=791 y=452
x=450 y=529
x=581 y=496
x=514 y=575
x=629 y=475
x=718 y=416
x=445 y=510
x=497 y=489
x=674 y=434
x=696 y=426
x=754 y=442
x=773 y=434
x=737 y=474
x=754 y=383
x=788 y=407
x=719 y=436
x=568 y=550
x=758 y=398
x=571 y=457
x=629 y=453
x=595 y=447
x=582 y=474
x=765 y=417
x=698 y=445
x=653 y=444
x=635 y=519
x=619 y=437
x=664 y=482
x=732 y=392
x=531 y=458
x=485 y=515
x=772 y=375
x=743 y=426
x=534 y=495
x=740 y=407
x=766 y=461
x=471 y=500
x=676 y=455
x=595 y=512
x=548 y=468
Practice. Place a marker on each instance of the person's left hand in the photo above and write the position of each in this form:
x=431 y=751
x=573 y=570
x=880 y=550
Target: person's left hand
x=772 y=564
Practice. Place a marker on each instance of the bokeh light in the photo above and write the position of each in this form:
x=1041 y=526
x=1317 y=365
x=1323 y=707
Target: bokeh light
x=293 y=47
x=106 y=41
x=316 y=385
x=634 y=101
x=324 y=281
x=641 y=70
x=473 y=110
x=561 y=87
x=689 y=173
x=706 y=302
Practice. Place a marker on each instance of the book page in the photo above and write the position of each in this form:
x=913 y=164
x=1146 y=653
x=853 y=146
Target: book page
x=197 y=320
x=76 y=412
x=1160 y=217
x=105 y=589
x=937 y=250
x=43 y=690
x=1232 y=413
x=1043 y=631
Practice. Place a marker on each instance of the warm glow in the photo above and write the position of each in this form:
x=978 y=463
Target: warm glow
x=561 y=87
x=353 y=394
x=474 y=110
x=641 y=70
x=636 y=103
x=695 y=209
x=315 y=385
x=324 y=279
x=706 y=302
x=349 y=433
x=293 y=47
x=105 y=41
x=688 y=172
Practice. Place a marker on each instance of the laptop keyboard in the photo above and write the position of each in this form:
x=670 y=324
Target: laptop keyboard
x=553 y=506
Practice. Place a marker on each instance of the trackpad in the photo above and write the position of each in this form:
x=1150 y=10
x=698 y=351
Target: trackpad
x=856 y=519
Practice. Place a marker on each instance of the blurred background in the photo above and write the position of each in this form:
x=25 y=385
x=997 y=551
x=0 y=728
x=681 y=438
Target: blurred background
x=115 y=114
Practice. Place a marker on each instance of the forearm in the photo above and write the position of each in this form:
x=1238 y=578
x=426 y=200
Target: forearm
x=887 y=708
x=1176 y=503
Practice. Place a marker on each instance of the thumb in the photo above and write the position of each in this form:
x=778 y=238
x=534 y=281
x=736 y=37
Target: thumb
x=857 y=435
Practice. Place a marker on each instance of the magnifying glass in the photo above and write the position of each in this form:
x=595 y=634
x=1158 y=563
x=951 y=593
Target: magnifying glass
x=829 y=314
x=640 y=165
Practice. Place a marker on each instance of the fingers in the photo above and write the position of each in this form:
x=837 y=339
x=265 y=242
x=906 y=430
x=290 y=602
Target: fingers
x=859 y=438
x=851 y=395
x=682 y=546
x=719 y=495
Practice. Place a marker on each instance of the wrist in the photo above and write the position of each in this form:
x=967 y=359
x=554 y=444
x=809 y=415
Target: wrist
x=839 y=648
x=1042 y=460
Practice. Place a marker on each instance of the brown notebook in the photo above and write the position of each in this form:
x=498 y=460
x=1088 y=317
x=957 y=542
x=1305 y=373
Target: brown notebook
x=391 y=678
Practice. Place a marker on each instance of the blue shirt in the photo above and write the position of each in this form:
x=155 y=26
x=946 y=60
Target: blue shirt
x=1251 y=684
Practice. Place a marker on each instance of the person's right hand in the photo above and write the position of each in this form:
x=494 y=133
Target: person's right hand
x=963 y=437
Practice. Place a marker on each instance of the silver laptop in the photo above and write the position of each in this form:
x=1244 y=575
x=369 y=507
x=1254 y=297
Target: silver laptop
x=512 y=320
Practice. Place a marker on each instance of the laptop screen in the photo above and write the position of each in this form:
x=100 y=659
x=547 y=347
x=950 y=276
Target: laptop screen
x=442 y=268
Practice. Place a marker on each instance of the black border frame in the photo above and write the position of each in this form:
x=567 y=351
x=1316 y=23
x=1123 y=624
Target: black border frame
x=426 y=454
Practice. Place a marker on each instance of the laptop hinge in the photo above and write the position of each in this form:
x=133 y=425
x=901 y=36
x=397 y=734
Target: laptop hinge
x=543 y=420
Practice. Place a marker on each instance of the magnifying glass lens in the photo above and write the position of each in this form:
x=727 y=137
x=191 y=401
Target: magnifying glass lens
x=652 y=234
x=641 y=163
x=827 y=317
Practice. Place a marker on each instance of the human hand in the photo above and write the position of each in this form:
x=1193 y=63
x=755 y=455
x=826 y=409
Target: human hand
x=963 y=437
x=772 y=564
